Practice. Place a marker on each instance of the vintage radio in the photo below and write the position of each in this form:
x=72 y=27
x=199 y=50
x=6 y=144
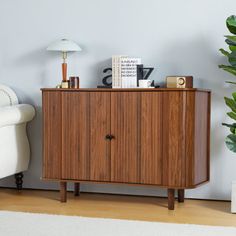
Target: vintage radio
x=179 y=81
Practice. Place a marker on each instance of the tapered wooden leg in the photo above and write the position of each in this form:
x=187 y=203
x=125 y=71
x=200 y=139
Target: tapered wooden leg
x=181 y=195
x=171 y=199
x=77 y=189
x=63 y=191
x=19 y=180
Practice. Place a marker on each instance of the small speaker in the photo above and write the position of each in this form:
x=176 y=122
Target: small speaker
x=179 y=82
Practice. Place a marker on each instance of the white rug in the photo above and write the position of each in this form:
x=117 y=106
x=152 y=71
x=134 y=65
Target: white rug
x=25 y=224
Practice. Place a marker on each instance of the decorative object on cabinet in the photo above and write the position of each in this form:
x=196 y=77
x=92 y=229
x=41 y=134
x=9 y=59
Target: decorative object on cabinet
x=107 y=79
x=64 y=46
x=144 y=83
x=74 y=82
x=15 y=149
x=124 y=71
x=111 y=131
x=179 y=81
x=143 y=72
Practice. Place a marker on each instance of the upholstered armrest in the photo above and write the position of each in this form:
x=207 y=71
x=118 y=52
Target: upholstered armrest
x=17 y=114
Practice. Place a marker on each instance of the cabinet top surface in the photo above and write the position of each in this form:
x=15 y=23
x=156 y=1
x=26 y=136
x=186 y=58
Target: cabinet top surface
x=125 y=89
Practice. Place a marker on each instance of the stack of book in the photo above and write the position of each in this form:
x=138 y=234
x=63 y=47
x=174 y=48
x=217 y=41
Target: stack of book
x=124 y=71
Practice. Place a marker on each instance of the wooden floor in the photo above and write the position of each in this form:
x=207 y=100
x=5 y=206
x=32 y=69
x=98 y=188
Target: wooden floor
x=118 y=207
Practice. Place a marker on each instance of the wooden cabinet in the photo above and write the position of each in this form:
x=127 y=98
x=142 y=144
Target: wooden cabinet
x=154 y=137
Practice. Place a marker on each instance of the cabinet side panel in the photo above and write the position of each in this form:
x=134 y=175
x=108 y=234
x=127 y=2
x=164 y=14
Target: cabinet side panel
x=202 y=133
x=174 y=108
x=75 y=135
x=151 y=138
x=100 y=126
x=190 y=136
x=52 y=135
x=125 y=147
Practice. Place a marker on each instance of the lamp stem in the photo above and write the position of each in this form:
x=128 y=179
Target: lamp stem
x=64 y=67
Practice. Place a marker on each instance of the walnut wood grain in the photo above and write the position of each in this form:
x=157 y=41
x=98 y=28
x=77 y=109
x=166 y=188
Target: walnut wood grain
x=75 y=138
x=52 y=135
x=201 y=148
x=174 y=108
x=180 y=195
x=171 y=199
x=63 y=191
x=100 y=126
x=151 y=138
x=189 y=141
x=126 y=89
x=155 y=137
x=125 y=147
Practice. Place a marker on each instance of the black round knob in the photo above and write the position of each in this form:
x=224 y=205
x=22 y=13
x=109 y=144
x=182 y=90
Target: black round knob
x=109 y=136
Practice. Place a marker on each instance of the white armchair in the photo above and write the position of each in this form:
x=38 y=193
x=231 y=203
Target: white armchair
x=14 y=144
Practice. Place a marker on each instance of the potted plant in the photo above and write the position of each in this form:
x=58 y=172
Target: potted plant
x=231 y=68
x=231 y=102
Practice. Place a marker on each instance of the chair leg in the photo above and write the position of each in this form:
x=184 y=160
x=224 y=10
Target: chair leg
x=19 y=180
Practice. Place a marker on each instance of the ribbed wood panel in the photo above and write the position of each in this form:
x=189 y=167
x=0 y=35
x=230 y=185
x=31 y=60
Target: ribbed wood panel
x=75 y=138
x=125 y=147
x=100 y=126
x=52 y=135
x=151 y=138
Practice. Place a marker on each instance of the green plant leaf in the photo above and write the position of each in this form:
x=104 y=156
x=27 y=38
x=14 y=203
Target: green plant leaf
x=224 y=52
x=234 y=96
x=230 y=42
x=232 y=115
x=231 y=24
x=232 y=58
x=231 y=142
x=231 y=37
x=230 y=82
x=231 y=126
x=230 y=103
x=232 y=48
x=229 y=69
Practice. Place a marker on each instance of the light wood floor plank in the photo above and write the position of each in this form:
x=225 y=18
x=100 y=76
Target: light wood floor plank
x=118 y=207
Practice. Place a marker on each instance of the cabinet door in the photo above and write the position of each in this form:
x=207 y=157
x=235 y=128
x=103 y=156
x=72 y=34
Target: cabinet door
x=125 y=148
x=52 y=135
x=174 y=122
x=100 y=148
x=85 y=151
x=75 y=135
x=151 y=138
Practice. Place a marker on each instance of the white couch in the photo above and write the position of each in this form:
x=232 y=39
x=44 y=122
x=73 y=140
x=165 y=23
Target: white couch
x=14 y=144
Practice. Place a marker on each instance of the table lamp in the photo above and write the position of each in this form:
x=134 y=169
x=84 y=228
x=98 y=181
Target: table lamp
x=64 y=46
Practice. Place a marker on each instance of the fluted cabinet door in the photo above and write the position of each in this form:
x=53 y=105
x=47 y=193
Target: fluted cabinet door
x=75 y=138
x=100 y=148
x=52 y=135
x=151 y=138
x=125 y=147
x=174 y=138
x=85 y=150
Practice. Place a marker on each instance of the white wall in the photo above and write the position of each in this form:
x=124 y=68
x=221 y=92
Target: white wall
x=176 y=37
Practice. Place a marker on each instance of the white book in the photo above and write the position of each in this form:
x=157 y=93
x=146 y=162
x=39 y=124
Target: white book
x=129 y=72
x=116 y=70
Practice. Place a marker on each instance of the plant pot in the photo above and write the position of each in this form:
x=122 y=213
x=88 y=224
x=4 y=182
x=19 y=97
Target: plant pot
x=233 y=197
